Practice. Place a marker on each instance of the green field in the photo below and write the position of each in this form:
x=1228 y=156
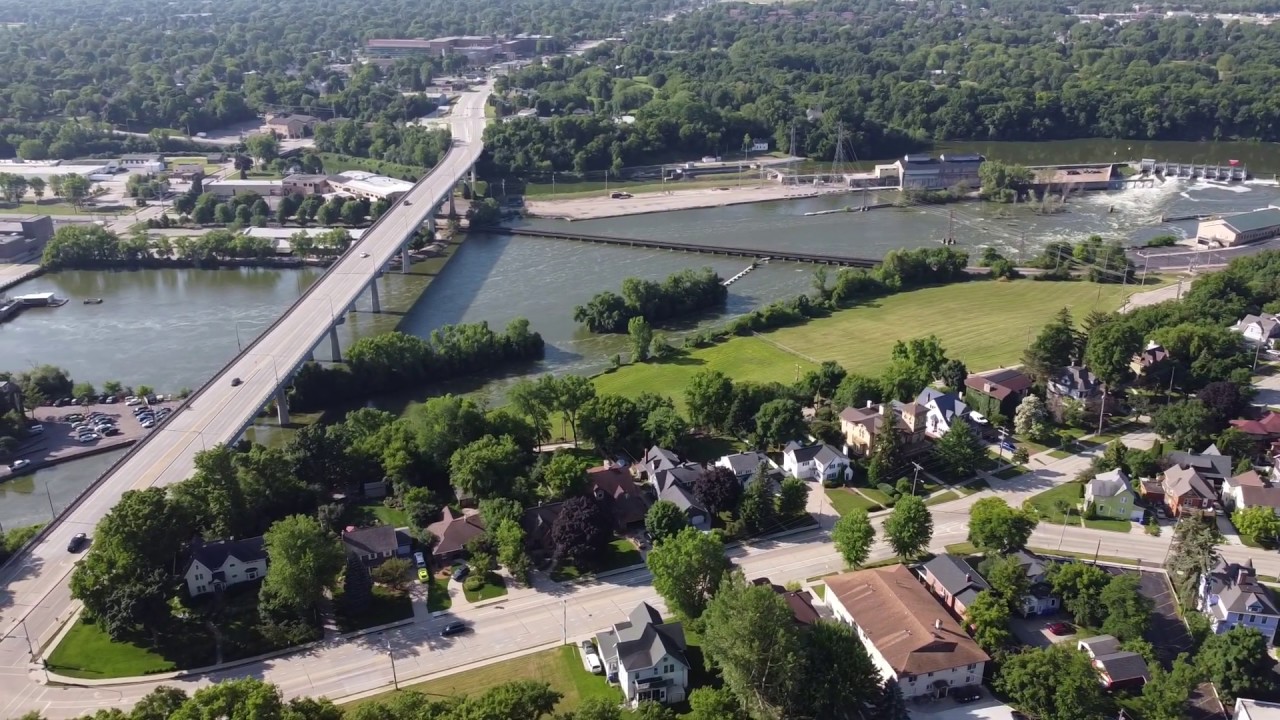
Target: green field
x=984 y=323
x=88 y=652
x=336 y=163
x=1073 y=494
x=493 y=587
x=844 y=500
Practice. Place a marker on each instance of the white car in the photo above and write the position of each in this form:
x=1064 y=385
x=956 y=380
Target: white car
x=364 y=255
x=132 y=401
x=88 y=437
x=19 y=464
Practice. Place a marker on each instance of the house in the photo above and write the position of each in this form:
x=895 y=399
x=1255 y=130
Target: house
x=800 y=601
x=375 y=545
x=1039 y=599
x=1152 y=491
x=1075 y=382
x=1231 y=595
x=1249 y=489
x=673 y=480
x=909 y=636
x=293 y=126
x=1247 y=709
x=1116 y=668
x=921 y=171
x=1267 y=428
x=1212 y=465
x=942 y=411
x=612 y=485
x=814 y=462
x=452 y=532
x=861 y=426
x=186 y=172
x=1110 y=495
x=1259 y=329
x=953 y=581
x=646 y=657
x=744 y=465
x=1239 y=229
x=1146 y=360
x=683 y=497
x=659 y=459
x=216 y=565
x=1186 y=492
x=997 y=391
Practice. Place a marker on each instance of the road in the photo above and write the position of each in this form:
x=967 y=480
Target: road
x=34 y=597
x=530 y=621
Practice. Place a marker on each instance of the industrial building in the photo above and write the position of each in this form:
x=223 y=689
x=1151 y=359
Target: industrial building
x=925 y=172
x=27 y=236
x=1240 y=229
x=1078 y=177
x=368 y=185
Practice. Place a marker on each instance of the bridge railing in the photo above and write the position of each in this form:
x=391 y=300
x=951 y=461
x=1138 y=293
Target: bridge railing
x=23 y=552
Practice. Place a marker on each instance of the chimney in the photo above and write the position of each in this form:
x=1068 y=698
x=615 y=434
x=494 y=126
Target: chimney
x=968 y=577
x=1242 y=575
x=937 y=624
x=868 y=404
x=884 y=409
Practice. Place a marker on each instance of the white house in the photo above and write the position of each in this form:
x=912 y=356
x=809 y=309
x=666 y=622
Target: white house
x=646 y=657
x=1259 y=329
x=909 y=636
x=814 y=462
x=1247 y=709
x=942 y=410
x=216 y=565
x=745 y=464
x=1231 y=595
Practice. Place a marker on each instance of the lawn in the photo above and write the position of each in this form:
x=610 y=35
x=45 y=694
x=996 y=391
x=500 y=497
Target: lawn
x=820 y=590
x=336 y=163
x=561 y=668
x=622 y=553
x=984 y=323
x=843 y=500
x=877 y=495
x=940 y=498
x=1045 y=502
x=385 y=606
x=438 y=594
x=50 y=208
x=743 y=359
x=88 y=652
x=972 y=487
x=1011 y=472
x=493 y=587
x=366 y=514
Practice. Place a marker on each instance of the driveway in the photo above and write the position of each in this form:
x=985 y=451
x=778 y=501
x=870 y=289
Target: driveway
x=1033 y=632
x=988 y=708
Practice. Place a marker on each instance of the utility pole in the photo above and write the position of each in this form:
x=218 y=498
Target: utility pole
x=395 y=681
x=1022 y=246
x=916 y=478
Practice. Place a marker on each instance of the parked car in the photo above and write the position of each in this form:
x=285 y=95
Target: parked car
x=461 y=572
x=19 y=464
x=132 y=400
x=35 y=429
x=424 y=575
x=454 y=628
x=591 y=658
x=73 y=417
x=111 y=431
x=88 y=438
x=419 y=559
x=1061 y=628
x=78 y=541
x=967 y=695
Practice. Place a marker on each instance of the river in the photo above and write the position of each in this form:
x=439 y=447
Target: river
x=175 y=328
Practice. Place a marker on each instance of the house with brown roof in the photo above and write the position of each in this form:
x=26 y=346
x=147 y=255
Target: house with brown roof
x=1249 y=489
x=375 y=545
x=861 y=426
x=1187 y=492
x=453 y=531
x=909 y=636
x=1261 y=430
x=614 y=487
x=997 y=391
x=293 y=126
x=1147 y=360
x=800 y=601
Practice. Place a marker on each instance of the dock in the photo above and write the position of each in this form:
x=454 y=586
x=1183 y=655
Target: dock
x=742 y=274
x=759 y=255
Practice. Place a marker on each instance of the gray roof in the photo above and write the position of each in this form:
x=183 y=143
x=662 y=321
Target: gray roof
x=1211 y=465
x=1270 y=325
x=214 y=554
x=1078 y=377
x=1109 y=484
x=1101 y=644
x=745 y=463
x=1180 y=480
x=1239 y=591
x=955 y=575
x=1254 y=220
x=678 y=494
x=684 y=474
x=821 y=452
x=375 y=540
x=660 y=458
x=1032 y=564
x=1123 y=665
x=949 y=404
x=642 y=640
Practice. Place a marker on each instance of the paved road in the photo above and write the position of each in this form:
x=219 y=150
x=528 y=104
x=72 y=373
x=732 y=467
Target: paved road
x=34 y=598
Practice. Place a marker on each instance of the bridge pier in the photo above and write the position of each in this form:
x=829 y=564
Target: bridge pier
x=310 y=356
x=405 y=260
x=473 y=180
x=335 y=350
x=431 y=223
x=373 y=290
x=282 y=405
x=452 y=211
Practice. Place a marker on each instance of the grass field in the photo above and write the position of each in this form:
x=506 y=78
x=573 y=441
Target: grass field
x=88 y=652
x=336 y=163
x=560 y=668
x=1072 y=493
x=49 y=208
x=438 y=594
x=984 y=323
x=843 y=500
x=940 y=498
x=493 y=587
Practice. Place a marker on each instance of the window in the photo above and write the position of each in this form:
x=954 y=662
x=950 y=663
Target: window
x=971 y=667
x=199 y=589
x=930 y=674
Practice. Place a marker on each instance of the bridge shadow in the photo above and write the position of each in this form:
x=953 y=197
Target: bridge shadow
x=451 y=292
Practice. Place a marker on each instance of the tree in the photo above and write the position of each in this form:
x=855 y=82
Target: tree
x=748 y=636
x=853 y=536
x=1031 y=419
x=664 y=519
x=779 y=421
x=1053 y=348
x=886 y=456
x=960 y=450
x=687 y=568
x=223 y=214
x=421 y=505
x=571 y=394
x=302 y=561
x=840 y=679
x=709 y=397
x=581 y=533
x=486 y=467
x=327 y=215
x=1053 y=683
x=988 y=616
x=909 y=527
x=1224 y=400
x=394 y=573
x=509 y=537
x=596 y=708
x=1110 y=349
x=37 y=187
x=718 y=489
x=1194 y=551
x=826 y=379
x=1165 y=694
x=891 y=705
x=913 y=365
x=1080 y=586
x=563 y=476
x=1237 y=663
x=75 y=188
x=1008 y=579
x=793 y=498
x=757 y=509
x=357 y=584
x=665 y=428
x=857 y=391
x=533 y=401
x=263 y=146
x=712 y=703
x=994 y=527
x=641 y=335
x=232 y=699
x=1184 y=424
x=1128 y=611
x=1258 y=522
x=952 y=374
x=159 y=704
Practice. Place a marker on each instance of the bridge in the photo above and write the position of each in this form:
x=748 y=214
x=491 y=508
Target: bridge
x=786 y=255
x=35 y=599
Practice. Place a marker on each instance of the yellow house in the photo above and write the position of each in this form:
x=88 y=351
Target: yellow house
x=861 y=426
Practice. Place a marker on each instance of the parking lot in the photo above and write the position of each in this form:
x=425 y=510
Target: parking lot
x=58 y=441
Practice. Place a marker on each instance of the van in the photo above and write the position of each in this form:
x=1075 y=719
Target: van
x=419 y=560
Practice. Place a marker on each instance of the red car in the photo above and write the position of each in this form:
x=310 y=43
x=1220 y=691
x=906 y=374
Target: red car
x=1061 y=628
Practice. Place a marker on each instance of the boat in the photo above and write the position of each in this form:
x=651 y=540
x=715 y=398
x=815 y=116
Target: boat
x=93 y=301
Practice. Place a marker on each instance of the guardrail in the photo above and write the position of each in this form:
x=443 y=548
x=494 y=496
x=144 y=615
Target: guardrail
x=23 y=552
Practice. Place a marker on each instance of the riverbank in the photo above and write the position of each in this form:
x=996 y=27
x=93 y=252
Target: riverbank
x=14 y=273
x=595 y=207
